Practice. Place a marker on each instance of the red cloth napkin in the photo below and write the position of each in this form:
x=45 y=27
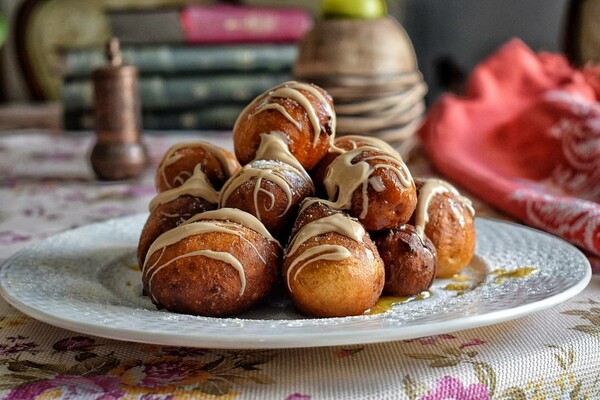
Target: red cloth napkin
x=526 y=138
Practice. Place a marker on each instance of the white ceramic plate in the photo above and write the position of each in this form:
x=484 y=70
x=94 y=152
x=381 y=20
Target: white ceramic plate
x=86 y=280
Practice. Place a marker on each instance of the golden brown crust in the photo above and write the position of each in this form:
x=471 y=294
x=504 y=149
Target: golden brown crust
x=254 y=121
x=333 y=288
x=202 y=285
x=452 y=231
x=166 y=217
x=338 y=288
x=351 y=142
x=228 y=261
x=319 y=172
x=312 y=209
x=175 y=174
x=390 y=208
x=409 y=261
x=271 y=204
x=341 y=145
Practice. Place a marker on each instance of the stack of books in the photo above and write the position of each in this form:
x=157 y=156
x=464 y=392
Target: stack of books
x=199 y=65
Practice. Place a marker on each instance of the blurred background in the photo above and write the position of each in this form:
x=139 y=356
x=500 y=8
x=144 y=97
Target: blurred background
x=52 y=46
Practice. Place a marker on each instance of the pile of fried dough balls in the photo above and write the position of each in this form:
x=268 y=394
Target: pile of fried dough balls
x=337 y=221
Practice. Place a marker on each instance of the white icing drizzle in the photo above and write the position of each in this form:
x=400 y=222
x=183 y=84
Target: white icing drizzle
x=430 y=188
x=309 y=201
x=343 y=177
x=317 y=253
x=282 y=110
x=225 y=220
x=370 y=141
x=317 y=93
x=233 y=214
x=229 y=164
x=376 y=183
x=272 y=172
x=197 y=186
x=183 y=231
x=162 y=252
x=167 y=215
x=338 y=223
x=191 y=229
x=215 y=255
x=182 y=177
x=292 y=93
x=291 y=90
x=274 y=148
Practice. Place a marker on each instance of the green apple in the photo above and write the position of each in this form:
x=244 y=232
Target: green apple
x=3 y=30
x=357 y=9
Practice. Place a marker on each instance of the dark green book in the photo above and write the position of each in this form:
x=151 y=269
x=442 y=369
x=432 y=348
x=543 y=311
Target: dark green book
x=181 y=92
x=187 y=59
x=221 y=116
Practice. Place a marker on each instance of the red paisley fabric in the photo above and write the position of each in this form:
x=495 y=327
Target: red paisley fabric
x=526 y=138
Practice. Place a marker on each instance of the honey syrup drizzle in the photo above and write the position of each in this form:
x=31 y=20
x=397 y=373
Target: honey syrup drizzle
x=463 y=283
x=385 y=303
x=523 y=272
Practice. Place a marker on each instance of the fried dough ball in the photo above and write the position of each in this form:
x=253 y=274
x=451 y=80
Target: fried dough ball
x=217 y=263
x=173 y=207
x=331 y=267
x=341 y=145
x=271 y=191
x=166 y=217
x=445 y=217
x=374 y=186
x=312 y=209
x=302 y=112
x=271 y=187
x=409 y=261
x=179 y=162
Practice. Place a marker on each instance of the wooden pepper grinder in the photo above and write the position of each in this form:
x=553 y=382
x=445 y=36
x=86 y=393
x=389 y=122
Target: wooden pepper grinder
x=118 y=153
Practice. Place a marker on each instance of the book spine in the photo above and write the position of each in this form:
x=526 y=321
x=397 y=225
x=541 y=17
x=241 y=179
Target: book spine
x=181 y=92
x=212 y=117
x=172 y=60
x=209 y=117
x=154 y=25
x=234 y=24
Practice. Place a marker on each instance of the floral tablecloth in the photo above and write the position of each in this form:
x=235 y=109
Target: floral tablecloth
x=46 y=186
